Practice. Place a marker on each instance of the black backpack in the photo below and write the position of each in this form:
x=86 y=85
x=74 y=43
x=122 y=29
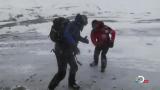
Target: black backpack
x=58 y=27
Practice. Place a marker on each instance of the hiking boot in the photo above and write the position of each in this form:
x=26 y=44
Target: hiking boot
x=74 y=86
x=102 y=69
x=51 y=89
x=93 y=64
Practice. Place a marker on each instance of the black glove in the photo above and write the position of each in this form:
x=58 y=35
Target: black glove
x=86 y=40
x=111 y=44
x=76 y=50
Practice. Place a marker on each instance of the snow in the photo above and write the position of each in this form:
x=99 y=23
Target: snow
x=25 y=57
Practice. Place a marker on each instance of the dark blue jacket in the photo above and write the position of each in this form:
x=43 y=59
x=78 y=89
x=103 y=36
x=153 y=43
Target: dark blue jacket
x=72 y=33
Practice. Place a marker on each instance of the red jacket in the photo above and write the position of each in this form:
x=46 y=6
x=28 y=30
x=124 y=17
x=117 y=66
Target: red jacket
x=102 y=35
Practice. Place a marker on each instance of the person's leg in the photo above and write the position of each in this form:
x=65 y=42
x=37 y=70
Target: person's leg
x=104 y=58
x=72 y=75
x=62 y=66
x=96 y=56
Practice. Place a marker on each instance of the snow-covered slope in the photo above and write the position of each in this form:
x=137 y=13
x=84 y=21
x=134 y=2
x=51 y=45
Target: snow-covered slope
x=25 y=46
x=124 y=13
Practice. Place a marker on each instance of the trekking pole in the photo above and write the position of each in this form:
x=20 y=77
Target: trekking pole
x=52 y=50
x=78 y=61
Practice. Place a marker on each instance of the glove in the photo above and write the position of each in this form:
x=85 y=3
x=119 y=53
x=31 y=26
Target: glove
x=111 y=44
x=76 y=50
x=86 y=40
x=99 y=44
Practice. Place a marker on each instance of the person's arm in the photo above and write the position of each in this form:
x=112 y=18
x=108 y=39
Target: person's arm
x=113 y=35
x=93 y=38
x=112 y=32
x=84 y=40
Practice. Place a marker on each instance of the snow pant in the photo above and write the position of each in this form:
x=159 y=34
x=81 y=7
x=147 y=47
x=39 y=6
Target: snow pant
x=64 y=57
x=103 y=51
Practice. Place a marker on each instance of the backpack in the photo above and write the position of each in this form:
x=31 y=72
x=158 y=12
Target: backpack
x=58 y=27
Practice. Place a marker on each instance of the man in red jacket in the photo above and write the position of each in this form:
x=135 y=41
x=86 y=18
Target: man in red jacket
x=103 y=38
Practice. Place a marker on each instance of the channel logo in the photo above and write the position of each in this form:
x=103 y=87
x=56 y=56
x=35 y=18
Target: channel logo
x=141 y=80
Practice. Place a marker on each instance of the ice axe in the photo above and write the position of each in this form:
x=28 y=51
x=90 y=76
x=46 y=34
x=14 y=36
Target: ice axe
x=52 y=50
x=78 y=61
x=74 y=56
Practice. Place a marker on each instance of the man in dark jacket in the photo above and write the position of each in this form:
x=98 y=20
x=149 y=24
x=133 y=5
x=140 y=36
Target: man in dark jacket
x=66 y=51
x=100 y=37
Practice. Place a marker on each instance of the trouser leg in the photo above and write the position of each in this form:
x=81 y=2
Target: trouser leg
x=96 y=54
x=73 y=69
x=62 y=65
x=104 y=58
